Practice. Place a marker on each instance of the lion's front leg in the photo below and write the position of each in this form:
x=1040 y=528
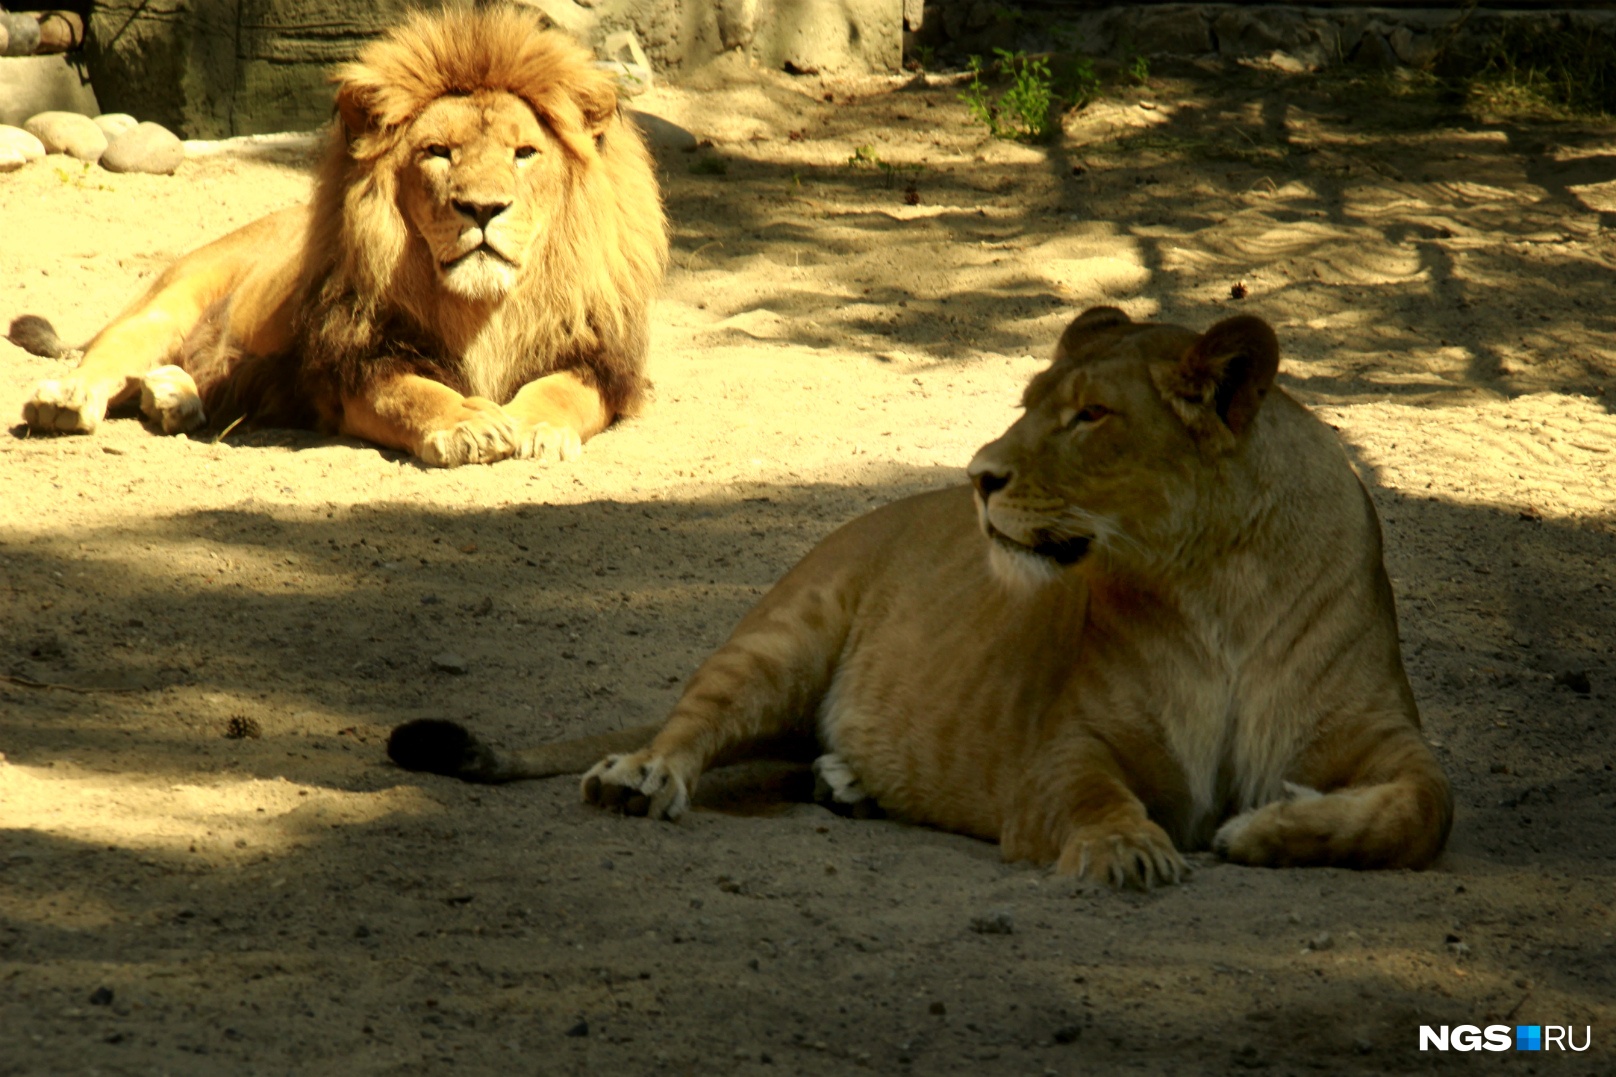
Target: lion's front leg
x=431 y=421
x=558 y=413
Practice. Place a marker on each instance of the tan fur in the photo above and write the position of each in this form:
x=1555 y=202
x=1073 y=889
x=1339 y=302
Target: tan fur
x=1205 y=655
x=471 y=282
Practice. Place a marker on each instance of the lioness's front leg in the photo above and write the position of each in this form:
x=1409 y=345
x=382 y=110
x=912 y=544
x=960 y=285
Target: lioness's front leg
x=1077 y=810
x=431 y=421
x=558 y=413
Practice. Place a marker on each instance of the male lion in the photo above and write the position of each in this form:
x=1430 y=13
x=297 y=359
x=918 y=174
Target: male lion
x=1165 y=625
x=471 y=280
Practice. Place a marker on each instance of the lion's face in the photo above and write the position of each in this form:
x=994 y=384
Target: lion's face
x=478 y=180
x=1119 y=441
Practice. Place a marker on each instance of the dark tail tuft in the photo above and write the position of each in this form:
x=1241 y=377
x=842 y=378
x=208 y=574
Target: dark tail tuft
x=36 y=336
x=437 y=746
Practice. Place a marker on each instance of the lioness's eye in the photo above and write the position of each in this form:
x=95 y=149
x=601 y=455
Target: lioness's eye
x=438 y=149
x=1089 y=413
x=524 y=152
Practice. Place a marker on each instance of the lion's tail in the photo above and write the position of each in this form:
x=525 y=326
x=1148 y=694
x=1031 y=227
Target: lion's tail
x=449 y=748
x=36 y=336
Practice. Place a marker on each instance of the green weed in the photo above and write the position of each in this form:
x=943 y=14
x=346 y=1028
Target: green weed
x=867 y=157
x=1028 y=109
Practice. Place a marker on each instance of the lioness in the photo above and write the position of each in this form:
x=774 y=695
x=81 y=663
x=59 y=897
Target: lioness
x=471 y=281
x=1165 y=626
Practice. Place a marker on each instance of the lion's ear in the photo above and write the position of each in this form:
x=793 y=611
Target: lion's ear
x=354 y=108
x=1231 y=367
x=1086 y=325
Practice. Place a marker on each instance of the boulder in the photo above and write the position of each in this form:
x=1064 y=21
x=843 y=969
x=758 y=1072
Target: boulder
x=146 y=147
x=17 y=141
x=113 y=124
x=68 y=132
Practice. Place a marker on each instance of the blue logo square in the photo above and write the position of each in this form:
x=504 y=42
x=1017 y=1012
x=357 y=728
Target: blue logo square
x=1528 y=1037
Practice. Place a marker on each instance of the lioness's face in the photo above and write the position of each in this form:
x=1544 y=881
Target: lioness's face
x=1118 y=441
x=480 y=181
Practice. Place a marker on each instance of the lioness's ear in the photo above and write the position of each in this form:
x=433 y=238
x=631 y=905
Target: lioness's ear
x=1231 y=367
x=1085 y=325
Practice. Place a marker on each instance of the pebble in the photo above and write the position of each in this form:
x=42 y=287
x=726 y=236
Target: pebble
x=1322 y=941
x=995 y=922
x=580 y=1029
x=17 y=141
x=146 y=147
x=69 y=133
x=449 y=662
x=113 y=124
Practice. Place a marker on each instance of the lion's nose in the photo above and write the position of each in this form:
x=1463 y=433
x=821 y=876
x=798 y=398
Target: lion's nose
x=987 y=481
x=481 y=212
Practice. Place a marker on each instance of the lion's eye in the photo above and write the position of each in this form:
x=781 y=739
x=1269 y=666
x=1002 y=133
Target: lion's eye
x=524 y=152
x=438 y=149
x=1088 y=413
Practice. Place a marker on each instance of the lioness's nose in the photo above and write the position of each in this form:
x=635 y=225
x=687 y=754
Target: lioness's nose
x=481 y=212
x=986 y=480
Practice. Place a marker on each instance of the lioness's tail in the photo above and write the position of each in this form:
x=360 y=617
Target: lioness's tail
x=36 y=336
x=449 y=748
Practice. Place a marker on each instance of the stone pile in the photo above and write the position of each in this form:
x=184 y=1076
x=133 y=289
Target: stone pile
x=117 y=141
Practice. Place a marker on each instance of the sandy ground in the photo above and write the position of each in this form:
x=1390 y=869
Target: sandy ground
x=174 y=901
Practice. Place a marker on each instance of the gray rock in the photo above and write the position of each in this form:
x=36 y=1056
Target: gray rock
x=69 y=133
x=449 y=662
x=15 y=140
x=994 y=922
x=113 y=124
x=146 y=147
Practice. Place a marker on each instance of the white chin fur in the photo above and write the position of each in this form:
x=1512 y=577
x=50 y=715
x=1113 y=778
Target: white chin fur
x=480 y=277
x=1020 y=569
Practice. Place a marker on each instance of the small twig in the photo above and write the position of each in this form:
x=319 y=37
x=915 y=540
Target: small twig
x=221 y=435
x=28 y=682
x=1513 y=1010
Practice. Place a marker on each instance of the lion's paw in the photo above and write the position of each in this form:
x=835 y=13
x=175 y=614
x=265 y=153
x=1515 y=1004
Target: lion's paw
x=482 y=433
x=637 y=784
x=544 y=441
x=66 y=406
x=169 y=398
x=1134 y=854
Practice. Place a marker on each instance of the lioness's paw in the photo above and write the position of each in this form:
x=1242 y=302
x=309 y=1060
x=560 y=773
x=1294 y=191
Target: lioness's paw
x=637 y=784
x=542 y=441
x=66 y=406
x=482 y=433
x=1259 y=836
x=838 y=788
x=1139 y=855
x=168 y=397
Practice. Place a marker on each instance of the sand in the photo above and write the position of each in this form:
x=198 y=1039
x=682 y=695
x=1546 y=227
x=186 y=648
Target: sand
x=830 y=337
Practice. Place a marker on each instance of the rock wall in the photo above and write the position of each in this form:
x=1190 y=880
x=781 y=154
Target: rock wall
x=212 y=68
x=1307 y=37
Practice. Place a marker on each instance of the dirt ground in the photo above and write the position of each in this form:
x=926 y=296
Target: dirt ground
x=177 y=901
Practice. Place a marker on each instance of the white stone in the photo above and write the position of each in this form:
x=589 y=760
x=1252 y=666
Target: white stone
x=68 y=132
x=16 y=140
x=147 y=147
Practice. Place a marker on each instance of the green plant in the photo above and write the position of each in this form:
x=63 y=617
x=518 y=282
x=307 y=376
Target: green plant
x=1029 y=108
x=1535 y=69
x=1139 y=69
x=866 y=157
